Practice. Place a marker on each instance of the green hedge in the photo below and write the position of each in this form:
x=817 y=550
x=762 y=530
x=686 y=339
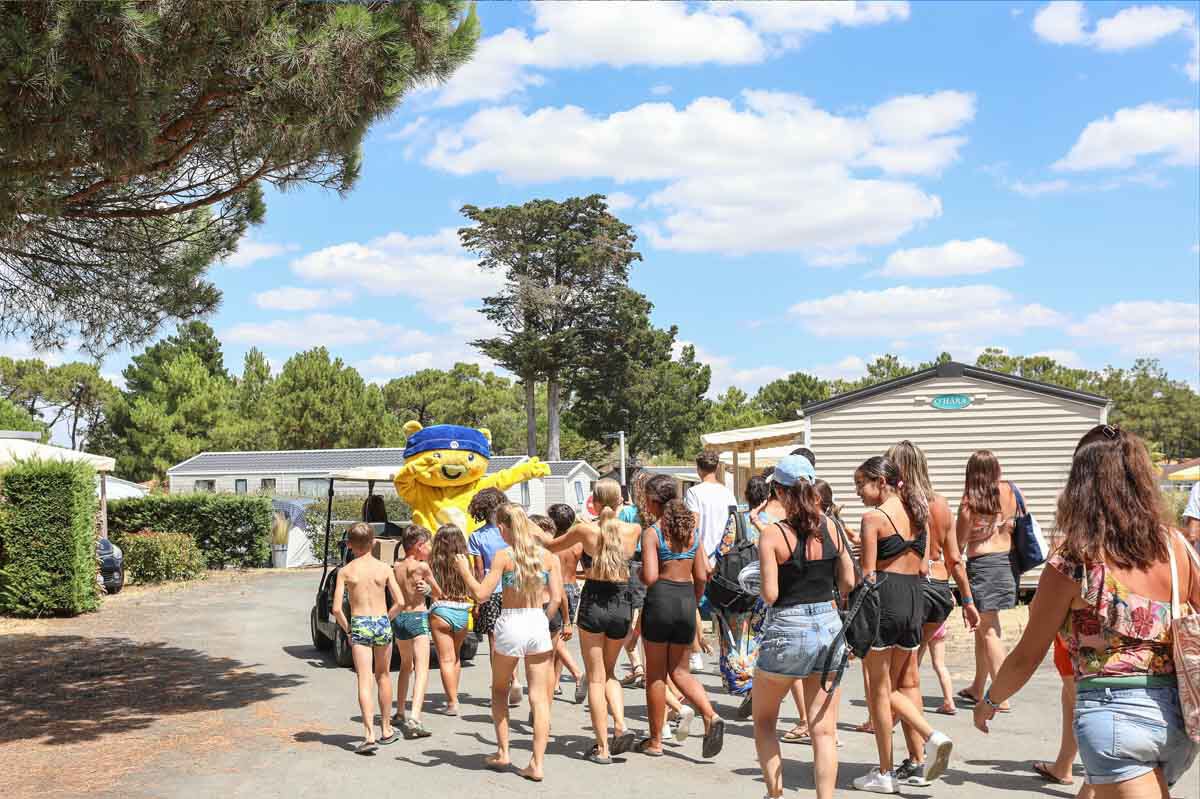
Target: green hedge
x=230 y=530
x=152 y=557
x=48 y=539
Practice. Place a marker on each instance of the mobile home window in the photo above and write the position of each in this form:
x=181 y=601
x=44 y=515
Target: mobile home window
x=239 y=486
x=267 y=484
x=525 y=494
x=579 y=500
x=312 y=486
x=205 y=486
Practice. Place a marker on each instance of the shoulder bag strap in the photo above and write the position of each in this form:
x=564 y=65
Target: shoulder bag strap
x=1174 y=578
x=845 y=539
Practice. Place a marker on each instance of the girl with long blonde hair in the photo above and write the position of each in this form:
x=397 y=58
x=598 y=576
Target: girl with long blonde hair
x=605 y=613
x=448 y=615
x=526 y=572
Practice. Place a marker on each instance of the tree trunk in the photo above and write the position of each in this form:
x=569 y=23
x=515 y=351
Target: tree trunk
x=530 y=417
x=552 y=453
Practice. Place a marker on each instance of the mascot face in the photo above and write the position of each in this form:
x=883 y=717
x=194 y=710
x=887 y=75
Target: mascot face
x=456 y=455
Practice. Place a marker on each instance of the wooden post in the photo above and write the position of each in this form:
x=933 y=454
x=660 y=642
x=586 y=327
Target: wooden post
x=753 y=452
x=737 y=475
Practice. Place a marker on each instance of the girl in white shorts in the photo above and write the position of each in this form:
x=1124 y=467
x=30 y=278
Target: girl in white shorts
x=525 y=572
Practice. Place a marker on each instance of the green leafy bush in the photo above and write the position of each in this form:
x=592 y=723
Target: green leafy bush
x=229 y=530
x=1175 y=502
x=347 y=509
x=48 y=539
x=152 y=557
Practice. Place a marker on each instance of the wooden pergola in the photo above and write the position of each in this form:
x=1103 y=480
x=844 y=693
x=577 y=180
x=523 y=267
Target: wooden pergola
x=751 y=440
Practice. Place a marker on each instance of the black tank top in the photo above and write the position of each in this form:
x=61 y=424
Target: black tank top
x=896 y=545
x=805 y=582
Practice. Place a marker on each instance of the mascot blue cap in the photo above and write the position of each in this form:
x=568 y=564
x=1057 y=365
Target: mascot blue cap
x=447 y=436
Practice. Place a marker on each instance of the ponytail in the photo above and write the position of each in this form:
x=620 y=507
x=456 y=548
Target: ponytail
x=609 y=564
x=527 y=551
x=914 y=499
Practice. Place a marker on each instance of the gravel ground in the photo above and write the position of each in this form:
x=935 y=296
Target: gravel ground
x=213 y=689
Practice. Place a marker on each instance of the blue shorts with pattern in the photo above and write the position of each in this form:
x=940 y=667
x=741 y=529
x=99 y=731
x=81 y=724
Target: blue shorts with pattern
x=411 y=624
x=370 y=631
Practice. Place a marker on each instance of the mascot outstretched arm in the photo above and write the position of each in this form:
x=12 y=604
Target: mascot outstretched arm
x=445 y=465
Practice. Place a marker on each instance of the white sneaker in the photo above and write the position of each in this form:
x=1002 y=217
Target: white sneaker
x=683 y=727
x=937 y=755
x=875 y=782
x=696 y=663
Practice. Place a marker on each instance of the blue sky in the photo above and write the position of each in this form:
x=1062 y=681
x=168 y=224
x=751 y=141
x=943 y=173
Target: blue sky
x=812 y=185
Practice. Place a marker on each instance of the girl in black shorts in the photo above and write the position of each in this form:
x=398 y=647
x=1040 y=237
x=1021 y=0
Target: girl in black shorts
x=894 y=551
x=675 y=580
x=605 y=613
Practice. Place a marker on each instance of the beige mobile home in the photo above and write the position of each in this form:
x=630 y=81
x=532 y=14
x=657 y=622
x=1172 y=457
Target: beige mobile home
x=950 y=411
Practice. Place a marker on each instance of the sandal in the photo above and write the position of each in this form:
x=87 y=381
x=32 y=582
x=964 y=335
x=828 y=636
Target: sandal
x=635 y=678
x=867 y=726
x=1043 y=771
x=967 y=697
x=714 y=739
x=594 y=756
x=796 y=735
x=642 y=747
x=946 y=711
x=366 y=748
x=620 y=744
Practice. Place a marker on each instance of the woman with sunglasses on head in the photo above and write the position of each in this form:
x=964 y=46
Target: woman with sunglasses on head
x=895 y=535
x=1108 y=591
x=675 y=580
x=805 y=565
x=945 y=562
x=986 y=517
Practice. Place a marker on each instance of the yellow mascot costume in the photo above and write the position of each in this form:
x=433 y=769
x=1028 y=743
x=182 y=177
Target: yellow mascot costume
x=445 y=465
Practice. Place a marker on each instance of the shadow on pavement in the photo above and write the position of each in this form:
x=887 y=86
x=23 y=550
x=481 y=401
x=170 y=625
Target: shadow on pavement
x=62 y=689
x=310 y=655
x=1011 y=775
x=344 y=742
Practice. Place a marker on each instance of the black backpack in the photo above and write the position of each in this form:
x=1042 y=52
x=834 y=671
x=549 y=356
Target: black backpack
x=724 y=591
x=860 y=623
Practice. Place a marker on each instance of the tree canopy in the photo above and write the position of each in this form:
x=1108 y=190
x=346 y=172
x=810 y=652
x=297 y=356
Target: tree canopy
x=135 y=138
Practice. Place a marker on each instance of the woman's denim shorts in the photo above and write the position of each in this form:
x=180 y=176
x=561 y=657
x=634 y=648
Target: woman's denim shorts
x=1124 y=733
x=797 y=640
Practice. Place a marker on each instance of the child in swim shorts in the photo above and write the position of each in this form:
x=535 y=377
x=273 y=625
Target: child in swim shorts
x=411 y=627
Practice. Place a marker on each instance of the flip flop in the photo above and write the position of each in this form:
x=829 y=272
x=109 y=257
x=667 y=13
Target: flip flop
x=388 y=739
x=642 y=747
x=714 y=739
x=864 y=727
x=967 y=697
x=746 y=708
x=953 y=711
x=593 y=756
x=1043 y=771
x=793 y=737
x=366 y=748
x=620 y=744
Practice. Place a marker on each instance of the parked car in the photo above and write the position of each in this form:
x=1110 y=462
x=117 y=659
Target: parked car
x=112 y=565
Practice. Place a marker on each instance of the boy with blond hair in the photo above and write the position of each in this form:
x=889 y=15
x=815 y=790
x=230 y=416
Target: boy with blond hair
x=411 y=627
x=369 y=628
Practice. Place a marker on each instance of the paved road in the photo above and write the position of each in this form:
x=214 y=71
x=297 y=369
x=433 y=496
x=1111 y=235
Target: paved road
x=215 y=690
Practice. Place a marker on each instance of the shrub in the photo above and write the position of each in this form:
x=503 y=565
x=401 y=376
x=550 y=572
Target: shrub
x=1176 y=502
x=152 y=557
x=48 y=539
x=229 y=530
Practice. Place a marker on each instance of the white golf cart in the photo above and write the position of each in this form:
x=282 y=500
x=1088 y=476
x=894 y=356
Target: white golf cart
x=389 y=548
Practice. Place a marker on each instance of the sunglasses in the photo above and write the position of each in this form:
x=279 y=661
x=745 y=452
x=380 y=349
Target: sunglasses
x=1111 y=432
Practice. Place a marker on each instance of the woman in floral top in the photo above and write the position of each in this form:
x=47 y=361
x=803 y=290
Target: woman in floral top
x=1107 y=591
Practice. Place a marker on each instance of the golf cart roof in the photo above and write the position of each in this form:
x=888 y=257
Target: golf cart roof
x=365 y=474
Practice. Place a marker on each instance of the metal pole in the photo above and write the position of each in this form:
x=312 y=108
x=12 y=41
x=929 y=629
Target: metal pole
x=328 y=524
x=621 y=438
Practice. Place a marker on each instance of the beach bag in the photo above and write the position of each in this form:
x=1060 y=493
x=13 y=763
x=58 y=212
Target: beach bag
x=724 y=591
x=860 y=621
x=1185 y=643
x=1028 y=544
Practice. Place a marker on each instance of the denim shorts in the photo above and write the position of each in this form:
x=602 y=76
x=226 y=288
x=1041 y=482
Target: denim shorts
x=797 y=640
x=1124 y=733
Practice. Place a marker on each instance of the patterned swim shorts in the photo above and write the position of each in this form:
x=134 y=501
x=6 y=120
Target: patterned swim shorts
x=370 y=630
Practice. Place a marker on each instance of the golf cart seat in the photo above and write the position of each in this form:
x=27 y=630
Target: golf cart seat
x=388 y=550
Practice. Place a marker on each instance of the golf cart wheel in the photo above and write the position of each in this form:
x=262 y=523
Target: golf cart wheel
x=114 y=585
x=318 y=638
x=342 y=653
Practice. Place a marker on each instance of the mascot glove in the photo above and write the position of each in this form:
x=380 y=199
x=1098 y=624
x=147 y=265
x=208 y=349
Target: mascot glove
x=537 y=468
x=426 y=466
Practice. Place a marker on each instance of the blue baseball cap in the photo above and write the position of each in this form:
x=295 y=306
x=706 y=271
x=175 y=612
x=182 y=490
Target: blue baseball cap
x=792 y=468
x=447 y=436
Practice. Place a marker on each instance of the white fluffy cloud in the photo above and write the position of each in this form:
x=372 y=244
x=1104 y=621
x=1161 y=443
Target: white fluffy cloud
x=1066 y=22
x=1118 y=141
x=433 y=269
x=956 y=257
x=622 y=34
x=1145 y=328
x=906 y=311
x=851 y=367
x=1038 y=188
x=293 y=298
x=250 y=251
x=726 y=374
x=620 y=201
x=327 y=330
x=771 y=173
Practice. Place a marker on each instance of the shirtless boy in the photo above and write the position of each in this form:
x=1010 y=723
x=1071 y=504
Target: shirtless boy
x=411 y=627
x=369 y=628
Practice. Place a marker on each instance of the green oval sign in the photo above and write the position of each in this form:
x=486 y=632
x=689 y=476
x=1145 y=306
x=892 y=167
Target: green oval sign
x=951 y=402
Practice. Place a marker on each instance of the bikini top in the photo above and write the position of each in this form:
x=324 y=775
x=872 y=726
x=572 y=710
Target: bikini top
x=509 y=578
x=895 y=545
x=666 y=554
